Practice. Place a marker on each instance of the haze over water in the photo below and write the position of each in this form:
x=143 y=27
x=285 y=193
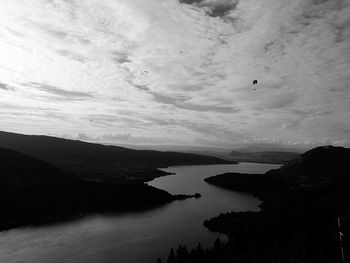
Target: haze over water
x=140 y=236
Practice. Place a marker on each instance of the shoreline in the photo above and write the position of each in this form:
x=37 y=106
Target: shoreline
x=302 y=205
x=52 y=206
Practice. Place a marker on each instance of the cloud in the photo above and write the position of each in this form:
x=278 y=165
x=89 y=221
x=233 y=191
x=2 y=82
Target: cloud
x=214 y=7
x=182 y=103
x=277 y=101
x=4 y=86
x=178 y=71
x=115 y=138
x=60 y=93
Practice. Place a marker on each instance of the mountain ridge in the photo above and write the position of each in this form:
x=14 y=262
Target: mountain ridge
x=101 y=162
x=277 y=157
x=33 y=191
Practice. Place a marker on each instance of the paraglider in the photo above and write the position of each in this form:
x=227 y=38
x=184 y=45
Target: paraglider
x=255 y=82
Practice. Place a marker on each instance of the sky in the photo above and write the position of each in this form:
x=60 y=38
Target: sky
x=177 y=72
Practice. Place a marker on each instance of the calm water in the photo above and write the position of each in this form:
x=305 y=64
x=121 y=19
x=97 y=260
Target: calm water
x=135 y=237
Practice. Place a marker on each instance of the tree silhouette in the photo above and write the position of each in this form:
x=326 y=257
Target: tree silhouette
x=171 y=257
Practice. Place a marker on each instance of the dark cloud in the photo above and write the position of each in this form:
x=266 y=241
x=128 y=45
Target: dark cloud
x=4 y=86
x=47 y=28
x=104 y=120
x=137 y=86
x=188 y=87
x=56 y=33
x=70 y=55
x=215 y=8
x=190 y=1
x=141 y=87
x=183 y=104
x=120 y=58
x=16 y=110
x=60 y=93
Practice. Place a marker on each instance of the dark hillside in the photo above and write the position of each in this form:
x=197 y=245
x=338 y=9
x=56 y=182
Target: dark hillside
x=21 y=172
x=100 y=162
x=57 y=150
x=321 y=164
x=299 y=218
x=264 y=157
x=33 y=191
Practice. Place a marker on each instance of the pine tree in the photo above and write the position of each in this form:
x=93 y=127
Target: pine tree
x=171 y=257
x=182 y=254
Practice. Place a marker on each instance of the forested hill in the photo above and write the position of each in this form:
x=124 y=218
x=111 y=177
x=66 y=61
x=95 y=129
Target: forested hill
x=264 y=157
x=20 y=172
x=57 y=149
x=100 y=162
x=322 y=164
x=303 y=203
x=33 y=191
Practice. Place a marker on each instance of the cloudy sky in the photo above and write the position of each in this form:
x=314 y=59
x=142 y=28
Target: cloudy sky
x=177 y=72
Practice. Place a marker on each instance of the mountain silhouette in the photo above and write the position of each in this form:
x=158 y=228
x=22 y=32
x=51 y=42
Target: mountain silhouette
x=303 y=201
x=33 y=191
x=320 y=165
x=20 y=172
x=101 y=162
x=264 y=157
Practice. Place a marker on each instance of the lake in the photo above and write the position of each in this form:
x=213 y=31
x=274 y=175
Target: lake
x=138 y=236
